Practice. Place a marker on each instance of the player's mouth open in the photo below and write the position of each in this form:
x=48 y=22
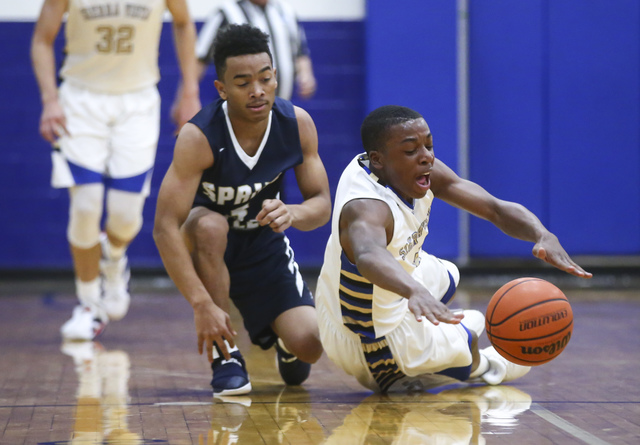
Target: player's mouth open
x=424 y=181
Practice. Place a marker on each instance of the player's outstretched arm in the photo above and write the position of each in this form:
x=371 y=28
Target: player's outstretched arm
x=512 y=218
x=366 y=227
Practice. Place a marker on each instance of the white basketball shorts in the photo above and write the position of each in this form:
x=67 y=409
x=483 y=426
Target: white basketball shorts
x=416 y=348
x=112 y=138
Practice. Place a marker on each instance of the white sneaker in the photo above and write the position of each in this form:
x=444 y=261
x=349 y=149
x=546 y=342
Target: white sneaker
x=474 y=321
x=501 y=370
x=115 y=287
x=85 y=324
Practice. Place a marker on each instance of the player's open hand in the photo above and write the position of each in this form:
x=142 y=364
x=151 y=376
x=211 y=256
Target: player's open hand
x=213 y=325
x=275 y=214
x=549 y=250
x=423 y=304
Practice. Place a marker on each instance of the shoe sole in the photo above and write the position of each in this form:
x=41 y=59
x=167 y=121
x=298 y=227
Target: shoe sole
x=81 y=339
x=246 y=389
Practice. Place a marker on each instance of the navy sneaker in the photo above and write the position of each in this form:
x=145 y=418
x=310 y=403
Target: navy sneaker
x=230 y=377
x=292 y=370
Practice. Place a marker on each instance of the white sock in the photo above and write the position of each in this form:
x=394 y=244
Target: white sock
x=283 y=347
x=88 y=291
x=482 y=367
x=115 y=253
x=229 y=348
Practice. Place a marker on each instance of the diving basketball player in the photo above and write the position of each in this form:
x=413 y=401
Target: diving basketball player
x=381 y=299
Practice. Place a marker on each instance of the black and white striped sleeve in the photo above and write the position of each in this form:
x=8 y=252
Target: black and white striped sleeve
x=303 y=48
x=207 y=35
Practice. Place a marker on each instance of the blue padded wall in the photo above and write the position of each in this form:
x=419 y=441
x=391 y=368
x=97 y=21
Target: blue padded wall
x=554 y=120
x=594 y=112
x=508 y=135
x=411 y=61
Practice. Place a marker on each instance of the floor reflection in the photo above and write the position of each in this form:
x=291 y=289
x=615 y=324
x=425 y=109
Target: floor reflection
x=237 y=420
x=101 y=415
x=458 y=414
x=452 y=416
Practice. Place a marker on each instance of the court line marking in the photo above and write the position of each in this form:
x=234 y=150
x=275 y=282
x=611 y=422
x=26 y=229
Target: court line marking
x=566 y=426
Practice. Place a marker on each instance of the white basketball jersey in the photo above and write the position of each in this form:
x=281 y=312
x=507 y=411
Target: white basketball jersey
x=352 y=300
x=112 y=45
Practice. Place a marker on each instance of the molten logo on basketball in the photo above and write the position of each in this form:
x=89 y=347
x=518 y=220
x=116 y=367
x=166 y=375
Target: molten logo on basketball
x=543 y=320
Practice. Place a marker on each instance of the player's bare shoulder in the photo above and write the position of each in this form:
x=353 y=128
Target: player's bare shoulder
x=192 y=146
x=307 y=130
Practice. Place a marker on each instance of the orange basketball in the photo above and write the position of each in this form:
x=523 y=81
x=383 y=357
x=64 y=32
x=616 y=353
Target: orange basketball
x=529 y=321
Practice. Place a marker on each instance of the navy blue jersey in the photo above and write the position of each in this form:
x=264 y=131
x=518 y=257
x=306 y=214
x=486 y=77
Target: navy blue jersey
x=234 y=186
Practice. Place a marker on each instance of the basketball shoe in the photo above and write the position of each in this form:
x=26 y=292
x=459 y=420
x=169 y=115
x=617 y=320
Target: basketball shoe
x=292 y=370
x=501 y=370
x=85 y=324
x=230 y=377
x=115 y=283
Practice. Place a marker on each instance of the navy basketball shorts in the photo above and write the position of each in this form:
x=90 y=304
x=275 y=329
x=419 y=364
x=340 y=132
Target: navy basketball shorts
x=265 y=280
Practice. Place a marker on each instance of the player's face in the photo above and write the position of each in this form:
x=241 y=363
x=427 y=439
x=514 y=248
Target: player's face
x=249 y=86
x=406 y=161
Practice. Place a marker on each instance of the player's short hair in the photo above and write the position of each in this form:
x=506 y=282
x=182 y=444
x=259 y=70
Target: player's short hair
x=376 y=125
x=238 y=40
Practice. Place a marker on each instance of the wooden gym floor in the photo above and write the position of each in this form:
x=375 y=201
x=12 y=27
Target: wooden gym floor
x=144 y=383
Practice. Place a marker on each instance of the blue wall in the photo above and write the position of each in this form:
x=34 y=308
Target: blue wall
x=554 y=111
x=411 y=61
x=554 y=121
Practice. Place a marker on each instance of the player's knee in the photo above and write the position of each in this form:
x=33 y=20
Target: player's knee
x=209 y=231
x=308 y=349
x=124 y=214
x=453 y=270
x=85 y=212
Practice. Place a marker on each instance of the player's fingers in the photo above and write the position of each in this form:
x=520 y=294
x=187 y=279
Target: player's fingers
x=223 y=347
x=579 y=272
x=200 y=344
x=210 y=351
x=229 y=335
x=432 y=319
x=231 y=330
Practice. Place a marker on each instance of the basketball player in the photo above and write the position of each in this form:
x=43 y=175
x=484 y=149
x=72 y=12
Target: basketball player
x=377 y=285
x=104 y=124
x=219 y=222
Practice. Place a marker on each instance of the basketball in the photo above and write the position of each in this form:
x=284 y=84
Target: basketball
x=529 y=321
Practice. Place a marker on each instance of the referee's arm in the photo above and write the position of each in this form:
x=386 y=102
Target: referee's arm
x=206 y=37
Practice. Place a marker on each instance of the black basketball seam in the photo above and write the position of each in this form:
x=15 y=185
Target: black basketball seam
x=528 y=307
x=507 y=291
x=534 y=338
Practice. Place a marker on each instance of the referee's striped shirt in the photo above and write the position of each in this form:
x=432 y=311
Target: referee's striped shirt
x=278 y=19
